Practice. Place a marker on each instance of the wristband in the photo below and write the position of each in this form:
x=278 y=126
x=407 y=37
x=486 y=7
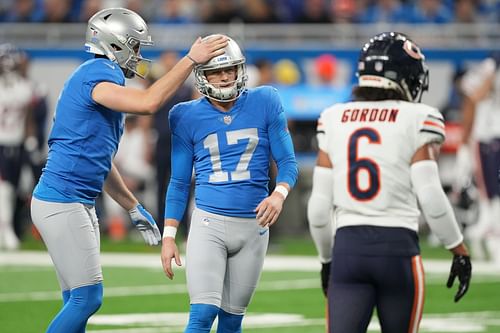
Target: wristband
x=282 y=190
x=169 y=231
x=196 y=63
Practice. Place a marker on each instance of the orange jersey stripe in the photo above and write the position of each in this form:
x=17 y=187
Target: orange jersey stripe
x=431 y=123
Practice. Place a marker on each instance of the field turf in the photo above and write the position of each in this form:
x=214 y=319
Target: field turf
x=139 y=299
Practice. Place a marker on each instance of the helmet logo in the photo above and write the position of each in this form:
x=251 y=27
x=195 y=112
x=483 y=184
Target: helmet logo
x=379 y=66
x=222 y=58
x=412 y=50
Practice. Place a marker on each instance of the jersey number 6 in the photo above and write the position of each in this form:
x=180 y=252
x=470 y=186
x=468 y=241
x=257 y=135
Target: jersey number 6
x=241 y=173
x=357 y=164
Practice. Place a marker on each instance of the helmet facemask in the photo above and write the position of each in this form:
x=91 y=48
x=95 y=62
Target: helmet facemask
x=130 y=60
x=232 y=57
x=215 y=91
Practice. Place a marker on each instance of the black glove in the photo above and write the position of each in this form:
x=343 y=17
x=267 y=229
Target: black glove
x=462 y=268
x=325 y=276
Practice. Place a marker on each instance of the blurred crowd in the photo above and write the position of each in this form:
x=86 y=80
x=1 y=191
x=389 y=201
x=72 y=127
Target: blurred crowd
x=260 y=11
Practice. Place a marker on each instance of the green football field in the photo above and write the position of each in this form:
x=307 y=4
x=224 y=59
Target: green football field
x=139 y=299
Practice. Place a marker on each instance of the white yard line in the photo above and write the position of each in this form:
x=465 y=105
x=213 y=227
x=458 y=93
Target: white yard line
x=272 y=262
x=175 y=321
x=485 y=272
x=164 y=289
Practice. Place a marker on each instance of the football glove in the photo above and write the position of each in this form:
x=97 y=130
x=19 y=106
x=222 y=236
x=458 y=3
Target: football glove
x=325 y=277
x=145 y=223
x=462 y=268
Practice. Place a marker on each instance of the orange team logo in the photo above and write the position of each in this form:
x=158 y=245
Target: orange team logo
x=412 y=50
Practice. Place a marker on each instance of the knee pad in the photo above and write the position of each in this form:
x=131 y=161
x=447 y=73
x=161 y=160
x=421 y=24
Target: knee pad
x=229 y=323
x=201 y=318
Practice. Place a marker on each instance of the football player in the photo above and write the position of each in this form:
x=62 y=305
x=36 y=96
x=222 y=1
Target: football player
x=87 y=127
x=376 y=160
x=481 y=125
x=228 y=136
x=16 y=125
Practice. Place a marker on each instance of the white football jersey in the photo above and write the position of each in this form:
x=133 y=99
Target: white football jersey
x=487 y=117
x=16 y=94
x=370 y=145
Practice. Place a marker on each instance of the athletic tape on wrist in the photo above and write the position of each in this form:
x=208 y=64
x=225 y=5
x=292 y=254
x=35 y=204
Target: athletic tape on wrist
x=169 y=231
x=281 y=189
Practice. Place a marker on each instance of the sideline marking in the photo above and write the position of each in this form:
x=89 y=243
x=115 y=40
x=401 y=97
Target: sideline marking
x=175 y=322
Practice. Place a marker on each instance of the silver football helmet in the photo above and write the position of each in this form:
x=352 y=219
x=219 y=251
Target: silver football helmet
x=232 y=56
x=118 y=34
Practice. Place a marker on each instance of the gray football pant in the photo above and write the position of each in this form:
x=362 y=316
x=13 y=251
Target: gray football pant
x=224 y=259
x=71 y=233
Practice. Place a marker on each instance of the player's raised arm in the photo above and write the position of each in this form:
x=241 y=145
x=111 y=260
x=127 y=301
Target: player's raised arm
x=119 y=39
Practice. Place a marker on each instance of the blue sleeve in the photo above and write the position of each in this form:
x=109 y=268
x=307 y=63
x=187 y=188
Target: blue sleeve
x=281 y=142
x=100 y=71
x=182 y=168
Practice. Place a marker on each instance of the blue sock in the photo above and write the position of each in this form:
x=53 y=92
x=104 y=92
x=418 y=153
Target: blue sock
x=201 y=318
x=82 y=303
x=229 y=323
x=65 y=295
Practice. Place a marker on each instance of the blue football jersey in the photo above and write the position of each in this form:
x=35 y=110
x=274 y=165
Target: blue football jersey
x=84 y=137
x=230 y=152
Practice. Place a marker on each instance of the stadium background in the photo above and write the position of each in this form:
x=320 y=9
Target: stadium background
x=300 y=49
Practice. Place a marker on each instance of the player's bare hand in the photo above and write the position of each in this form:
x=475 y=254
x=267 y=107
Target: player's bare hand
x=169 y=251
x=205 y=49
x=269 y=209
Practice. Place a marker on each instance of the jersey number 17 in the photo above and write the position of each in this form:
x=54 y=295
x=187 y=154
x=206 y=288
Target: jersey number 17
x=241 y=173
